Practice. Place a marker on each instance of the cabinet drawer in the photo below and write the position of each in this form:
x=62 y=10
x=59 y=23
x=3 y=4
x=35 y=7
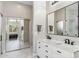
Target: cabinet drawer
x=42 y=53
x=59 y=53
x=42 y=44
x=39 y=53
x=42 y=49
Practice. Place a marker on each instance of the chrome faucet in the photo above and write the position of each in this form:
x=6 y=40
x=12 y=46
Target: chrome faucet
x=67 y=41
x=48 y=37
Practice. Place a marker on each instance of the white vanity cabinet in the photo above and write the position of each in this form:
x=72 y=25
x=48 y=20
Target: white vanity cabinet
x=42 y=49
x=46 y=50
x=55 y=52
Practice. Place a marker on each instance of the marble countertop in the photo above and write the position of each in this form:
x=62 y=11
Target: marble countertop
x=62 y=45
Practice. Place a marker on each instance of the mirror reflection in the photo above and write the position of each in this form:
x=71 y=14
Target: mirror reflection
x=60 y=27
x=64 y=21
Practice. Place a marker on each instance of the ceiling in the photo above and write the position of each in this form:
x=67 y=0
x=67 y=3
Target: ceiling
x=26 y=2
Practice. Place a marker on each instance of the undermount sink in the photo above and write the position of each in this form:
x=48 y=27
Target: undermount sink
x=58 y=43
x=62 y=45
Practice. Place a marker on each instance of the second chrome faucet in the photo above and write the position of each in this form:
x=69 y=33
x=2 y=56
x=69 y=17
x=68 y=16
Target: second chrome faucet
x=67 y=41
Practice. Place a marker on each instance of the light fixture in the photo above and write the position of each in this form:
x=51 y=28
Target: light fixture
x=54 y=2
x=19 y=6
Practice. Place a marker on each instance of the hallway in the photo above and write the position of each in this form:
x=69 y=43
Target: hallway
x=16 y=44
x=24 y=53
x=15 y=29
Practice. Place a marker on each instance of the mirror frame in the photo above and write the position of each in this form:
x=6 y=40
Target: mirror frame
x=65 y=16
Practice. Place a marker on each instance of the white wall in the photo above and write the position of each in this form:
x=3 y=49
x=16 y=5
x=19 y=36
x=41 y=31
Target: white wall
x=1 y=8
x=14 y=9
x=58 y=5
x=3 y=31
x=39 y=18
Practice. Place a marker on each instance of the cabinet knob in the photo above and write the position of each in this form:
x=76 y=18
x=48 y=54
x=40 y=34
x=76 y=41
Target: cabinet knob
x=58 y=51
x=38 y=57
x=46 y=56
x=39 y=47
x=46 y=51
x=46 y=45
x=38 y=42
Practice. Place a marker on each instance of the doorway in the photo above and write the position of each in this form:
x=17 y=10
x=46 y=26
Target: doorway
x=15 y=34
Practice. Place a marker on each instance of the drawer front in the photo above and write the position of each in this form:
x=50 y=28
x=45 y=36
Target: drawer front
x=45 y=50
x=42 y=49
x=42 y=44
x=58 y=53
x=42 y=53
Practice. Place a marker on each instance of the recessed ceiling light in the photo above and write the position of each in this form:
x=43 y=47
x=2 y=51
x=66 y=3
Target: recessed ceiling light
x=19 y=6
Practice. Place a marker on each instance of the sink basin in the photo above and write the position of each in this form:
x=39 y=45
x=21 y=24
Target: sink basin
x=55 y=42
x=71 y=48
x=66 y=47
x=58 y=43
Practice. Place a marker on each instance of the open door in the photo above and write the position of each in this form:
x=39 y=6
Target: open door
x=17 y=34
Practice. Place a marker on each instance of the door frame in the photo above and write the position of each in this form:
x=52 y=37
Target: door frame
x=18 y=18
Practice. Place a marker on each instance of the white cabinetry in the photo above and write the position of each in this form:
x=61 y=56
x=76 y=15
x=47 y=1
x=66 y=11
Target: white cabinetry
x=55 y=52
x=42 y=49
x=46 y=50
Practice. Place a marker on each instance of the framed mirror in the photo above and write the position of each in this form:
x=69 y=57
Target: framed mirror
x=64 y=21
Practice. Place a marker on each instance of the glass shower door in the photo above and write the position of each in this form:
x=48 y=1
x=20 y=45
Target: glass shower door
x=12 y=43
x=23 y=44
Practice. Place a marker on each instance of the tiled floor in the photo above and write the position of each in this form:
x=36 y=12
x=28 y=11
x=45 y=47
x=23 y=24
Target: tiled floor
x=15 y=44
x=24 y=53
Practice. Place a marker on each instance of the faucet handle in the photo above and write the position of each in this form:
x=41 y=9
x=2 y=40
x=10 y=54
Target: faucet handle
x=48 y=37
x=67 y=41
x=72 y=43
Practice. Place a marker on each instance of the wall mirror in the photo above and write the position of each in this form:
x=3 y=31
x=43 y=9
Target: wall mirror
x=64 y=21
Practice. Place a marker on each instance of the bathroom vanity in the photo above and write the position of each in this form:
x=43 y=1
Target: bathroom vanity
x=61 y=24
x=56 y=49
x=64 y=21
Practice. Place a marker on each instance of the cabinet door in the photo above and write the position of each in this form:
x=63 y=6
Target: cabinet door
x=39 y=49
x=72 y=20
x=52 y=52
x=42 y=52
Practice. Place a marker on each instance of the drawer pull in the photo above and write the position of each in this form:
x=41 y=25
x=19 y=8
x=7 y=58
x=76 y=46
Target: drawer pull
x=38 y=57
x=46 y=56
x=39 y=47
x=46 y=51
x=38 y=42
x=46 y=45
x=58 y=51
